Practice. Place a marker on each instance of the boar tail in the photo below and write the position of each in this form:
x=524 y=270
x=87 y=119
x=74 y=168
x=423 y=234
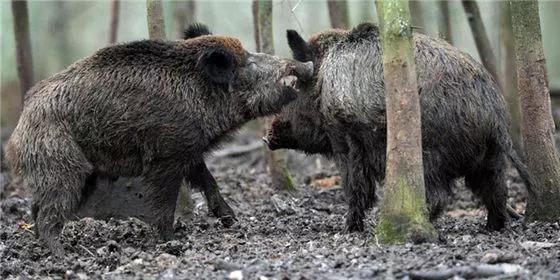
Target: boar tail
x=523 y=172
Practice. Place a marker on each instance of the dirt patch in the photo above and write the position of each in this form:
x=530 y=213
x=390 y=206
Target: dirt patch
x=277 y=236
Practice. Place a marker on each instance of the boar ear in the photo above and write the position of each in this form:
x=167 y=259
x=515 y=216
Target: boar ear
x=300 y=48
x=217 y=64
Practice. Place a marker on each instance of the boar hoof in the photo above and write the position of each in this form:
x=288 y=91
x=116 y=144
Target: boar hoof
x=354 y=225
x=227 y=221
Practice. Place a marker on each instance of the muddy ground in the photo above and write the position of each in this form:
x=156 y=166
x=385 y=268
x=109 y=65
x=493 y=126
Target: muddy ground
x=278 y=236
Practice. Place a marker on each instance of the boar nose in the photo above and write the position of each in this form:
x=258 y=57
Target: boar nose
x=303 y=70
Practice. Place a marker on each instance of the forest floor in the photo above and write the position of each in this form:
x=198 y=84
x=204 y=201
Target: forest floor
x=278 y=236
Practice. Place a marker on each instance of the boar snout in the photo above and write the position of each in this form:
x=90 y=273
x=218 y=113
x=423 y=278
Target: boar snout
x=303 y=70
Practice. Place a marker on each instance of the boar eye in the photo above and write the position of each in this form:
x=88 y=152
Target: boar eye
x=252 y=66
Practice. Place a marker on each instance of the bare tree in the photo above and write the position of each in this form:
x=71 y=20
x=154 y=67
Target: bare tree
x=156 y=25
x=538 y=126
x=114 y=25
x=338 y=13
x=279 y=173
x=403 y=212
x=444 y=24
x=481 y=37
x=183 y=13
x=508 y=77
x=23 y=46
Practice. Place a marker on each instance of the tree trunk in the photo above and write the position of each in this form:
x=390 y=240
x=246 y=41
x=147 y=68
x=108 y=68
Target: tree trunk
x=403 y=212
x=508 y=75
x=444 y=21
x=481 y=37
x=538 y=126
x=114 y=26
x=156 y=29
x=156 y=25
x=338 y=13
x=23 y=47
x=184 y=14
x=417 y=16
x=279 y=173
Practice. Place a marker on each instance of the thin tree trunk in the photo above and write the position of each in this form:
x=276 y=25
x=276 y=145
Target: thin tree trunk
x=338 y=13
x=481 y=37
x=417 y=16
x=279 y=173
x=184 y=14
x=445 y=21
x=156 y=30
x=114 y=26
x=156 y=25
x=23 y=46
x=538 y=126
x=508 y=74
x=255 y=10
x=403 y=212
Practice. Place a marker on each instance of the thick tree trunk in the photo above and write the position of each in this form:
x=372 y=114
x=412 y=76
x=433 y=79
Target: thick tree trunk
x=156 y=25
x=114 y=25
x=445 y=21
x=403 y=213
x=338 y=13
x=23 y=46
x=481 y=37
x=184 y=14
x=538 y=126
x=508 y=77
x=279 y=173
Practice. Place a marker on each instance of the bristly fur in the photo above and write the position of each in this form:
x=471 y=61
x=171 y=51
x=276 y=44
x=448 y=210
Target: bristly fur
x=150 y=109
x=341 y=113
x=196 y=30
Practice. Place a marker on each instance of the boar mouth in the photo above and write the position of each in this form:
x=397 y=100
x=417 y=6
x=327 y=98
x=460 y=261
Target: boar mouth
x=276 y=129
x=294 y=72
x=290 y=81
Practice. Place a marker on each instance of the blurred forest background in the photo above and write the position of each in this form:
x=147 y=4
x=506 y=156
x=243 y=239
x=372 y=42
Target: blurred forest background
x=65 y=31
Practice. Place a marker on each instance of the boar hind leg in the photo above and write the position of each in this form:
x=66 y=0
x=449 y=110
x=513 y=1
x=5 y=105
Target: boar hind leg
x=57 y=182
x=200 y=178
x=359 y=183
x=488 y=183
x=161 y=189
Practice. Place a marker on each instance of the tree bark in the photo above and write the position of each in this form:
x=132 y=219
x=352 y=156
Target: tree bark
x=338 y=13
x=156 y=25
x=184 y=14
x=114 y=25
x=508 y=77
x=156 y=30
x=444 y=21
x=416 y=16
x=537 y=125
x=481 y=37
x=403 y=212
x=23 y=47
x=279 y=173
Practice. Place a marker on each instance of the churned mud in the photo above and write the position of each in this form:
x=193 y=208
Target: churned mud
x=277 y=236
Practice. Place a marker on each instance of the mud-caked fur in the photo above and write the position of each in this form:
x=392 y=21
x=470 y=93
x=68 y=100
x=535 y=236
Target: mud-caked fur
x=149 y=109
x=341 y=114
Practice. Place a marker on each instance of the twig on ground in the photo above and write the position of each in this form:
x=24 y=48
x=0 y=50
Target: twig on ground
x=473 y=271
x=239 y=150
x=87 y=250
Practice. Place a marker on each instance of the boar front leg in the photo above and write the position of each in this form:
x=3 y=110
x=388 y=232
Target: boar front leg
x=162 y=182
x=199 y=177
x=359 y=182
